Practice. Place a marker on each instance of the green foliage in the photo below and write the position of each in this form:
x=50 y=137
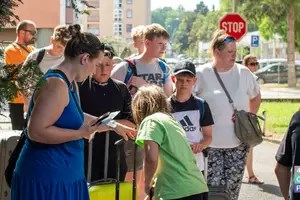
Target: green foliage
x=27 y=81
x=122 y=48
x=7 y=15
x=201 y=8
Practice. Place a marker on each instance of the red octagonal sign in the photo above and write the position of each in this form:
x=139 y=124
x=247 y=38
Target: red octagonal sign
x=234 y=25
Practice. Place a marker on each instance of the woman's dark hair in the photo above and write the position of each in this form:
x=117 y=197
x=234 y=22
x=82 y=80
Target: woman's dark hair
x=82 y=43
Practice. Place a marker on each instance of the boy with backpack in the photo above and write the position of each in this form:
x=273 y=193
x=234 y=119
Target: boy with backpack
x=145 y=69
x=192 y=112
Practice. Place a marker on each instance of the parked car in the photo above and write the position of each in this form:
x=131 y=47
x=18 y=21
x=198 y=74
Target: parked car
x=276 y=73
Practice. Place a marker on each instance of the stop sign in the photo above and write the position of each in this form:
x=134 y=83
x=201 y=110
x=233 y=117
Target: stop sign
x=234 y=25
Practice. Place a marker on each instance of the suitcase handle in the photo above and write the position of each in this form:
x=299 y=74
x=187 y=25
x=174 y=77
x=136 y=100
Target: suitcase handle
x=102 y=181
x=118 y=144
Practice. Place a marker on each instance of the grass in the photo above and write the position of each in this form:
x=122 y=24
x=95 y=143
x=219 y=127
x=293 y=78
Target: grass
x=278 y=115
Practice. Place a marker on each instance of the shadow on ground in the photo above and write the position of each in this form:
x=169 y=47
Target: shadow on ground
x=268 y=188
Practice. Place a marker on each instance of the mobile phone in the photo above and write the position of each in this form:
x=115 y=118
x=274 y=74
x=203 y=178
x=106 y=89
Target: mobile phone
x=102 y=117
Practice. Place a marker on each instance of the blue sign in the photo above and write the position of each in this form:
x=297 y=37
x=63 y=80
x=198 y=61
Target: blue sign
x=254 y=41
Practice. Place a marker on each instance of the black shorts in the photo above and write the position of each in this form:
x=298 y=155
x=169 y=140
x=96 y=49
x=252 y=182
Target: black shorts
x=202 y=196
x=129 y=149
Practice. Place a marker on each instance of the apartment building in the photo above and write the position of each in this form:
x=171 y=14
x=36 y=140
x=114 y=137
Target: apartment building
x=116 y=17
x=46 y=15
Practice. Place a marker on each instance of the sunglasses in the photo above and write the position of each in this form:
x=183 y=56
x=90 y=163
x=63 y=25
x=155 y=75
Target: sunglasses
x=31 y=32
x=254 y=64
x=227 y=39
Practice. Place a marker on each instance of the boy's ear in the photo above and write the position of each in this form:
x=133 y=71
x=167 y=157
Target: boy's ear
x=195 y=80
x=173 y=79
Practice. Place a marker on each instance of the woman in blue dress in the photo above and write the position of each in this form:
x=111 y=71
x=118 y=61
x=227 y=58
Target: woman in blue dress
x=51 y=164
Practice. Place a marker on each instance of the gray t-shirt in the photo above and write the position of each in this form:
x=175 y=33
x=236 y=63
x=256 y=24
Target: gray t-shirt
x=48 y=60
x=151 y=73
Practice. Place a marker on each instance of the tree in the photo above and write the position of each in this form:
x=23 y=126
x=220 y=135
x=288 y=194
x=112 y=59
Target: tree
x=277 y=16
x=181 y=38
x=201 y=8
x=7 y=15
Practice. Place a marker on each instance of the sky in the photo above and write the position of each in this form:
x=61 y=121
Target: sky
x=187 y=4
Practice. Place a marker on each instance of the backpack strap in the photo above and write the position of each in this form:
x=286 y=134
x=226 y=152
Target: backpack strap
x=131 y=70
x=200 y=104
x=41 y=55
x=163 y=67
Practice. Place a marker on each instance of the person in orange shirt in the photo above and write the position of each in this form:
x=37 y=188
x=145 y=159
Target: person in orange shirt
x=17 y=53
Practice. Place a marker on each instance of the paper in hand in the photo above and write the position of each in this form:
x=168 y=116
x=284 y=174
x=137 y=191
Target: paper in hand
x=105 y=121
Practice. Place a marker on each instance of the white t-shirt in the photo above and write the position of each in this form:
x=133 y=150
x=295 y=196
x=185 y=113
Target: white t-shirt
x=151 y=73
x=241 y=85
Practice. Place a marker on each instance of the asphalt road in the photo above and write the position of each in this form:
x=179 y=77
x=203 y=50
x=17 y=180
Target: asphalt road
x=264 y=163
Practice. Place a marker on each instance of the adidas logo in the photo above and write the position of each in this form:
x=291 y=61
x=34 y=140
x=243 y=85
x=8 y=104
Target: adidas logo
x=187 y=125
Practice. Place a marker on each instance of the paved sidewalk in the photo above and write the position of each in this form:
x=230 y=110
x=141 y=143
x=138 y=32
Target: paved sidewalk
x=281 y=93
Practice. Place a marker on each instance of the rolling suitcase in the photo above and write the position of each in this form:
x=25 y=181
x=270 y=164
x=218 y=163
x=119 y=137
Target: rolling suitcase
x=8 y=142
x=111 y=189
x=214 y=192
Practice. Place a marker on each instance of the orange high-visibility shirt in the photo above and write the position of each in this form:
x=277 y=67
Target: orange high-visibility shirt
x=14 y=54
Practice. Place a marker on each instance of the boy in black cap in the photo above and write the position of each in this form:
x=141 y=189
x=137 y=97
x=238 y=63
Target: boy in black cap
x=190 y=111
x=99 y=95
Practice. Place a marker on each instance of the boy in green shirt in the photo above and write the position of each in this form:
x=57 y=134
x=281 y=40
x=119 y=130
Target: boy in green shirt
x=169 y=160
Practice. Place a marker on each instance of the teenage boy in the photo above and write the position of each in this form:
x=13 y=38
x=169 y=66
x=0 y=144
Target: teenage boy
x=143 y=70
x=137 y=35
x=100 y=95
x=190 y=111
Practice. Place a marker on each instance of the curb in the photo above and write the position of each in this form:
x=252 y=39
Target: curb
x=272 y=140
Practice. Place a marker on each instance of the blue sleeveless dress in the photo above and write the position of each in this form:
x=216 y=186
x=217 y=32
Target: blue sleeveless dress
x=53 y=171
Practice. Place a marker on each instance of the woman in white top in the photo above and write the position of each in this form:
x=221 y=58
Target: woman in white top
x=227 y=155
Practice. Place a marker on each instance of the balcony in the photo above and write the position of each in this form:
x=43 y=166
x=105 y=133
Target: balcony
x=93 y=17
x=94 y=4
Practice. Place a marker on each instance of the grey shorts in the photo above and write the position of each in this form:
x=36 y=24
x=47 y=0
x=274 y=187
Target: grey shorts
x=129 y=149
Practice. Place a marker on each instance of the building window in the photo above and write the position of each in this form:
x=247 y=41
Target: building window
x=118 y=3
x=128 y=28
x=69 y=4
x=129 y=1
x=118 y=29
x=129 y=14
x=129 y=40
x=118 y=15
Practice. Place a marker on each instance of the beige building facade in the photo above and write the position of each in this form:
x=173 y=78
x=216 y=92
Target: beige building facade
x=46 y=15
x=116 y=17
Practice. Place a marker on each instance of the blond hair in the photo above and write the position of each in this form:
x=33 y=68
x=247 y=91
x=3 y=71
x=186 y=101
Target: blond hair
x=147 y=101
x=61 y=34
x=155 y=30
x=137 y=32
x=218 y=41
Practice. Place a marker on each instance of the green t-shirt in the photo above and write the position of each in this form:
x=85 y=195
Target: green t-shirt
x=177 y=174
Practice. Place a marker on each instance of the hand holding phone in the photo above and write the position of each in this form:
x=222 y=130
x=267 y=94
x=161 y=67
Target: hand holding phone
x=101 y=118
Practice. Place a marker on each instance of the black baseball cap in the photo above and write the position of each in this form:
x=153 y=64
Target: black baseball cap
x=187 y=66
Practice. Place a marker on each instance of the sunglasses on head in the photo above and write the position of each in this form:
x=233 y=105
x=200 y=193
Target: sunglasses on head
x=254 y=64
x=229 y=39
x=31 y=32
